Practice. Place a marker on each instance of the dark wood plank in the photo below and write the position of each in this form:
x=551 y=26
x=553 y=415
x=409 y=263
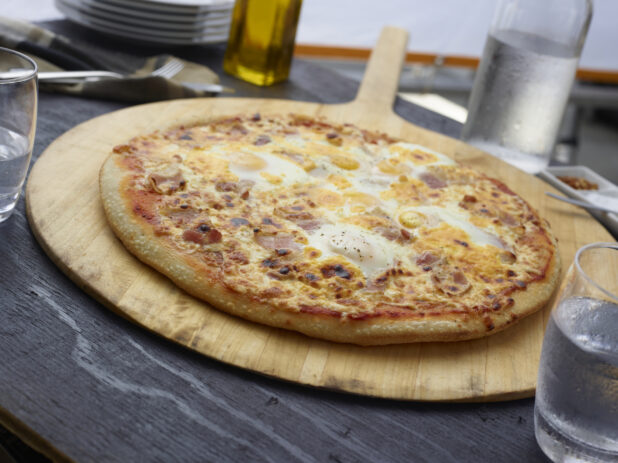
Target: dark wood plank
x=80 y=383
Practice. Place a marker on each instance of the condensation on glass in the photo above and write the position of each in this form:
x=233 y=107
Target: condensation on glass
x=524 y=79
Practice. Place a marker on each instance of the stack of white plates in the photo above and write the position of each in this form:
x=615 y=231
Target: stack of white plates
x=177 y=22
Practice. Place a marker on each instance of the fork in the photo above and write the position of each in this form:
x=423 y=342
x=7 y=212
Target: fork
x=168 y=70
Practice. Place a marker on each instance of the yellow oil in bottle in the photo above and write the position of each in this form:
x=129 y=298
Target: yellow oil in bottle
x=261 y=40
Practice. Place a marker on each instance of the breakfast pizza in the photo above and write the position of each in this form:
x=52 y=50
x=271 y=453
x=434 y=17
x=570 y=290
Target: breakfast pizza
x=330 y=230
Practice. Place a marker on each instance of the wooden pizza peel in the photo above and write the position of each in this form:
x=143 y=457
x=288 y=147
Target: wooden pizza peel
x=67 y=218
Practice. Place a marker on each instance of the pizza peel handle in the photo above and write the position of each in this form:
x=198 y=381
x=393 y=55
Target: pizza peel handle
x=381 y=80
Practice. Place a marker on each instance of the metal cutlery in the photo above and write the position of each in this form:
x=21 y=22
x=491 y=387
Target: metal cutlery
x=584 y=204
x=168 y=70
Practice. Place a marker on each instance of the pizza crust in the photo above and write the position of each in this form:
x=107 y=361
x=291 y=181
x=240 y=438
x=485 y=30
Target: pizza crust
x=204 y=283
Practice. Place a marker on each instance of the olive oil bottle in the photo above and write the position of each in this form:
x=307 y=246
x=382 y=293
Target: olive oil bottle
x=261 y=40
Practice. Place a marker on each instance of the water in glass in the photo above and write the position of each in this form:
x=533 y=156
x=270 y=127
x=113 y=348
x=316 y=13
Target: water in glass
x=520 y=92
x=14 y=159
x=576 y=410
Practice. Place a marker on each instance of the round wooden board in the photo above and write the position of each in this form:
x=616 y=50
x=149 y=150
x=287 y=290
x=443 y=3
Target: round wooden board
x=67 y=218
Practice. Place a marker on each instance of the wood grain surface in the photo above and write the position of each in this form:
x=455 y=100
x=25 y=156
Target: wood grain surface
x=67 y=219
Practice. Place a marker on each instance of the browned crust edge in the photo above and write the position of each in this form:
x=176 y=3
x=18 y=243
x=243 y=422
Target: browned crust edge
x=140 y=240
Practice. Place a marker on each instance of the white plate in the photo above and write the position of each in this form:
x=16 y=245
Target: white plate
x=117 y=25
x=146 y=25
x=607 y=190
x=147 y=36
x=183 y=7
x=197 y=19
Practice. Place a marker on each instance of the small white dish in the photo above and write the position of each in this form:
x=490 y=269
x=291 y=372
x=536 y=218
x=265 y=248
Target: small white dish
x=606 y=194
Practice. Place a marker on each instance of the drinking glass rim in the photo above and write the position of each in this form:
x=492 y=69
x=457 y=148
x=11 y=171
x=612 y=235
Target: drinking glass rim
x=580 y=251
x=21 y=78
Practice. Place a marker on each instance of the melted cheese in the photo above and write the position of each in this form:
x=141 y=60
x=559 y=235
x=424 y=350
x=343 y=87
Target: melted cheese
x=459 y=220
x=267 y=169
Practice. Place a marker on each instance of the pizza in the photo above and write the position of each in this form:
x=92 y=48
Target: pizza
x=330 y=230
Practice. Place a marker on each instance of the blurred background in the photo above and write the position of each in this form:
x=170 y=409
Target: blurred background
x=446 y=40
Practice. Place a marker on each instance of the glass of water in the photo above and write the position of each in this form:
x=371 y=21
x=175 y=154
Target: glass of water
x=576 y=406
x=18 y=109
x=524 y=79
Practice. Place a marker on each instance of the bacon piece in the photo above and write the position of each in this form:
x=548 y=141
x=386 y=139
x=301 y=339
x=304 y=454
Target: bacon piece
x=262 y=140
x=193 y=236
x=167 y=184
x=212 y=236
x=467 y=201
x=226 y=186
x=268 y=221
x=310 y=225
x=244 y=186
x=293 y=215
x=507 y=219
x=459 y=277
x=278 y=241
x=426 y=258
x=432 y=181
x=183 y=216
x=449 y=280
x=303 y=219
x=390 y=233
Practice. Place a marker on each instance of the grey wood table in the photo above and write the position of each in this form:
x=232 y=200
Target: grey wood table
x=80 y=383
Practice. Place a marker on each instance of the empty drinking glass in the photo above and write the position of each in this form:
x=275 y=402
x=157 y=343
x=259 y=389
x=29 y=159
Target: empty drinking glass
x=18 y=109
x=576 y=407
